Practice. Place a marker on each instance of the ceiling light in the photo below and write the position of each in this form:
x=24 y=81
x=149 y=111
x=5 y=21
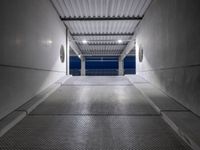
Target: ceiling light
x=119 y=41
x=79 y=56
x=84 y=42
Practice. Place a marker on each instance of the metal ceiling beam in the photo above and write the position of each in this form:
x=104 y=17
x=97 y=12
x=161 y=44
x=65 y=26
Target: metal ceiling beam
x=129 y=47
x=100 y=55
x=74 y=46
x=103 y=34
x=101 y=18
x=104 y=44
x=71 y=43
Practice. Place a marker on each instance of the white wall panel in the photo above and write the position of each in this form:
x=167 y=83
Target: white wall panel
x=30 y=41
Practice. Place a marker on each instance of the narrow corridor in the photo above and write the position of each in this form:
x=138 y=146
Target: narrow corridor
x=93 y=113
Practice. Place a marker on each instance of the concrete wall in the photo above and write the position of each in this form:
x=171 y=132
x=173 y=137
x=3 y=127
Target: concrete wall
x=170 y=38
x=30 y=40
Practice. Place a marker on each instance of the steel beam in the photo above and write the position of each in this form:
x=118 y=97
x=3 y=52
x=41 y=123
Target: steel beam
x=128 y=48
x=101 y=19
x=104 y=44
x=100 y=55
x=103 y=34
x=74 y=46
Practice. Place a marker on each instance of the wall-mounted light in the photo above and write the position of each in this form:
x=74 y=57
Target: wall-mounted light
x=141 y=53
x=119 y=41
x=62 y=54
x=84 y=42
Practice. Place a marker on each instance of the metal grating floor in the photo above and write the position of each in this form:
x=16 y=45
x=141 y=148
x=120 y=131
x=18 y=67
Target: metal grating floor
x=97 y=80
x=112 y=100
x=92 y=132
x=111 y=116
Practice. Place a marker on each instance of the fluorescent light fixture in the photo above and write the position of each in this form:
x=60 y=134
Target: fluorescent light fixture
x=84 y=42
x=119 y=41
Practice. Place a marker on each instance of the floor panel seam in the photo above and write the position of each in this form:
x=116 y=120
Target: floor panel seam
x=96 y=115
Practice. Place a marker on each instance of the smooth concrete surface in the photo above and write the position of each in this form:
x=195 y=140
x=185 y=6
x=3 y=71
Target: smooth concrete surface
x=135 y=79
x=10 y=121
x=30 y=41
x=18 y=86
x=91 y=133
x=158 y=99
x=34 y=35
x=96 y=100
x=169 y=35
x=184 y=90
x=187 y=125
x=98 y=80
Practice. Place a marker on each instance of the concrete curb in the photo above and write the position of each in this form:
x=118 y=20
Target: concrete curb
x=20 y=113
x=36 y=100
x=159 y=100
x=182 y=121
x=135 y=79
x=190 y=134
x=10 y=121
x=150 y=101
x=63 y=79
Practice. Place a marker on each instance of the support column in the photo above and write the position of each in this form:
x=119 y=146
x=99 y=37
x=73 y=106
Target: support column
x=121 y=67
x=83 y=66
x=67 y=52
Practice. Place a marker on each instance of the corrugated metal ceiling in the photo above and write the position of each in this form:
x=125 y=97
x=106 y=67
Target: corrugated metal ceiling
x=78 y=27
x=101 y=9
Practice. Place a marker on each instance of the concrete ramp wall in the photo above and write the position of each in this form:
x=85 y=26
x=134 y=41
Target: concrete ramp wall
x=30 y=41
x=169 y=35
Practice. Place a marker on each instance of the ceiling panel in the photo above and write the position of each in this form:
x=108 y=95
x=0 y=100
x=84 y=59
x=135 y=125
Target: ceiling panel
x=101 y=9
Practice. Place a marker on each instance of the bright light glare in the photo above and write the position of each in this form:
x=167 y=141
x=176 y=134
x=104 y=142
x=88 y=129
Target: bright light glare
x=49 y=41
x=79 y=56
x=119 y=41
x=84 y=42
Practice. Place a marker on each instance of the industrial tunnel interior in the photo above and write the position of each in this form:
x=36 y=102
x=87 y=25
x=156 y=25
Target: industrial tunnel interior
x=100 y=75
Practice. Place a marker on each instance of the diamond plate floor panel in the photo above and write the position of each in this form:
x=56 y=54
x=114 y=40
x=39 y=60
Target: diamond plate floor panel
x=97 y=80
x=160 y=101
x=91 y=132
x=113 y=100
